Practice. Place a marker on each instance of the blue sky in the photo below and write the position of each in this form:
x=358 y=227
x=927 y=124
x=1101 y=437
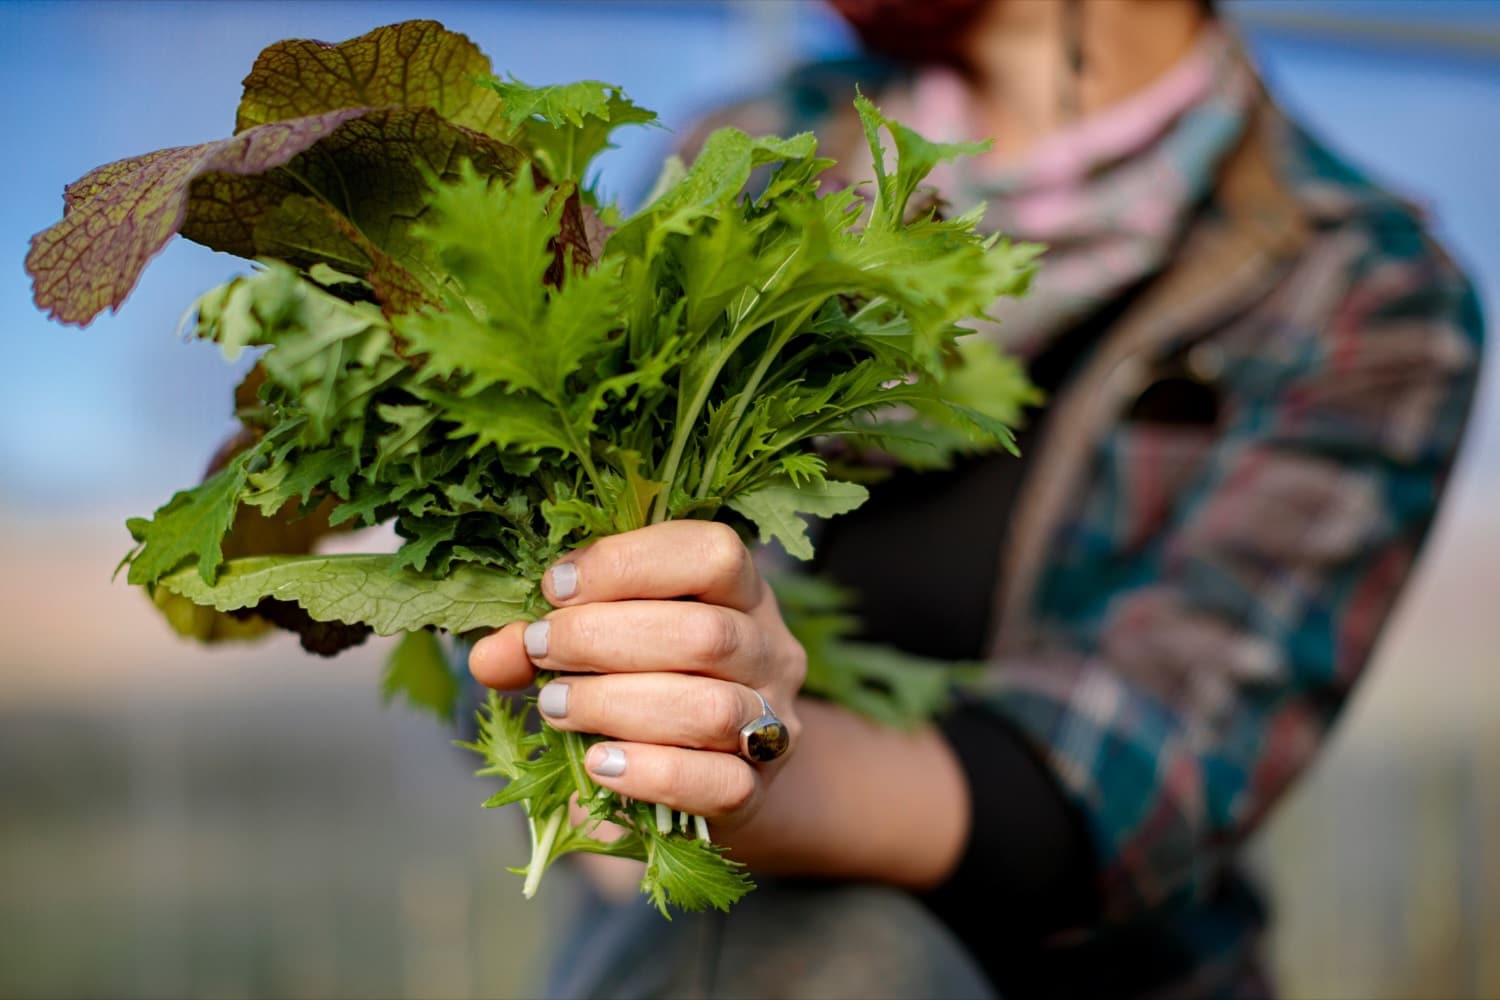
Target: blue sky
x=110 y=417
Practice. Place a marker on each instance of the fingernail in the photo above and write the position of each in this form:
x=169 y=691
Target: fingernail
x=552 y=699
x=607 y=762
x=535 y=638
x=564 y=580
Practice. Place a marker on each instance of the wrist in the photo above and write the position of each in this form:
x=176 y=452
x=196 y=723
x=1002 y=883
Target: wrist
x=860 y=801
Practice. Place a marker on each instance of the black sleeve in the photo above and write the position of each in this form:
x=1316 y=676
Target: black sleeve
x=1027 y=870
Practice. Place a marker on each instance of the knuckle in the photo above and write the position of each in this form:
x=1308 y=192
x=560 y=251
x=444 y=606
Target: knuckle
x=678 y=785
x=573 y=634
x=723 y=716
x=738 y=786
x=616 y=558
x=797 y=665
x=724 y=555
x=710 y=634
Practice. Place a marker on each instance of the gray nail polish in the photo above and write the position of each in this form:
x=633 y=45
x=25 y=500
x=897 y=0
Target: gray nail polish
x=564 y=580
x=552 y=699
x=535 y=637
x=612 y=764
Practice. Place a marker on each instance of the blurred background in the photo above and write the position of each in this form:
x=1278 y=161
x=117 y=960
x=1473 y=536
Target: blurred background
x=175 y=822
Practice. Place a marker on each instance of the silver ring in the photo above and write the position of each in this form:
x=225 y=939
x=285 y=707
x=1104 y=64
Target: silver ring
x=764 y=739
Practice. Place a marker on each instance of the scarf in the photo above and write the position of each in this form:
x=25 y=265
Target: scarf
x=1109 y=196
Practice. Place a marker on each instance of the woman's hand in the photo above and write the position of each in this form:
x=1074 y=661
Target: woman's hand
x=669 y=682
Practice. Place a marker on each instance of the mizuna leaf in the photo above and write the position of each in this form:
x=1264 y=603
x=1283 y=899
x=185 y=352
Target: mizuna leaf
x=503 y=740
x=691 y=874
x=503 y=325
x=567 y=125
x=364 y=588
x=915 y=158
x=716 y=178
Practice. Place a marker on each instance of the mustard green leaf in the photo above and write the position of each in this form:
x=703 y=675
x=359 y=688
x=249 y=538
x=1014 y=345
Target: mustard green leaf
x=775 y=509
x=415 y=64
x=365 y=589
x=190 y=527
x=312 y=233
x=329 y=356
x=372 y=175
x=369 y=165
x=118 y=216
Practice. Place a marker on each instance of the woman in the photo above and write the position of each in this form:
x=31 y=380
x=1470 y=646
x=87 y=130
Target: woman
x=1259 y=368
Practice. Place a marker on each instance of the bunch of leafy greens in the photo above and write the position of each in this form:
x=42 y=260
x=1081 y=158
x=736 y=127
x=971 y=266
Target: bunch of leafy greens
x=455 y=336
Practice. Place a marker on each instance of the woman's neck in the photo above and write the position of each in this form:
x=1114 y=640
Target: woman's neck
x=1023 y=74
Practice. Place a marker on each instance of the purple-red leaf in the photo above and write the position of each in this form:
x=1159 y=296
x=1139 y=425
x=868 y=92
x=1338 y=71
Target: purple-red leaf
x=366 y=165
x=412 y=64
x=118 y=216
x=333 y=151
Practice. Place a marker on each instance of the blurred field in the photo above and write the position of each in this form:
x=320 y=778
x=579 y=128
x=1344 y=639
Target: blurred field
x=250 y=821
x=175 y=822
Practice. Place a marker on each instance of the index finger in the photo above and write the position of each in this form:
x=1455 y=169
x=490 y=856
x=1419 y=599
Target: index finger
x=701 y=559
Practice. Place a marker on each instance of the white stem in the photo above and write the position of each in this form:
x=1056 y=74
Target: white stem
x=541 y=852
x=702 y=826
x=663 y=819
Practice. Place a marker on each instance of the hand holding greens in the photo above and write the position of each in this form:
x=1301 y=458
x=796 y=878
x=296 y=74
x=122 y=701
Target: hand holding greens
x=455 y=336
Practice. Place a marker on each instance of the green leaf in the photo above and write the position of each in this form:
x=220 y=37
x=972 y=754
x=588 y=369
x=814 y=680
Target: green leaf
x=880 y=682
x=716 y=178
x=331 y=356
x=405 y=440
x=503 y=325
x=364 y=588
x=418 y=671
x=915 y=158
x=504 y=741
x=423 y=535
x=775 y=508
x=565 y=126
x=691 y=875
x=297 y=476
x=189 y=527
x=544 y=783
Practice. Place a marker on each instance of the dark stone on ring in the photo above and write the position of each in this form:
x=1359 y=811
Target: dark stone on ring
x=766 y=738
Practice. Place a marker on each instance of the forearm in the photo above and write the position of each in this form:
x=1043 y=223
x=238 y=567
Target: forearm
x=858 y=800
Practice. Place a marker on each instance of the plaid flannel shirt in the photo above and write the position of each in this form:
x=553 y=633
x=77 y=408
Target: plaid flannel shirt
x=1186 y=607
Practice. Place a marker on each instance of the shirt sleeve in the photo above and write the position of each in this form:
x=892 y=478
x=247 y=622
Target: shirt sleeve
x=1027 y=864
x=1176 y=713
